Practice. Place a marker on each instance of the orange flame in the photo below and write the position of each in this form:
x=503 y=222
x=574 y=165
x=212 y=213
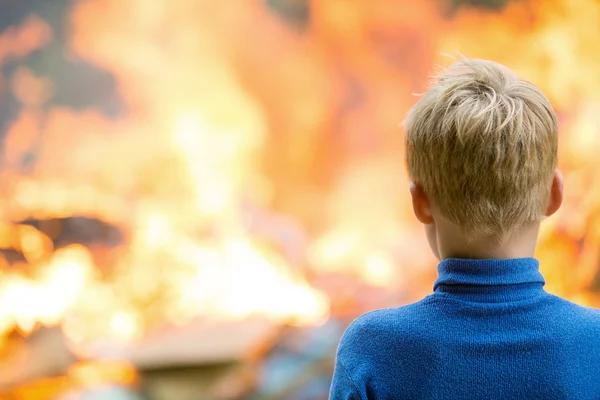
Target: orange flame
x=229 y=115
x=179 y=164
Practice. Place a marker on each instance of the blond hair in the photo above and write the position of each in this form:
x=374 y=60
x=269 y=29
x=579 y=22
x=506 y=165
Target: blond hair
x=482 y=143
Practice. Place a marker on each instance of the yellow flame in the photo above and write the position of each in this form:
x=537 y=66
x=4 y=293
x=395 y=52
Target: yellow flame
x=213 y=123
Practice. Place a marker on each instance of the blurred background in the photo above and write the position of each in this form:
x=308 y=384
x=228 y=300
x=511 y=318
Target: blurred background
x=197 y=197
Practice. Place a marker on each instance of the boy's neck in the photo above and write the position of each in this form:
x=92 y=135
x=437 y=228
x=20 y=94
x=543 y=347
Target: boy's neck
x=521 y=244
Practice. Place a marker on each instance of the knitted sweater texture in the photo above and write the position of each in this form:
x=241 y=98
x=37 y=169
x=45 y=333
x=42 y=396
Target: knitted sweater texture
x=488 y=331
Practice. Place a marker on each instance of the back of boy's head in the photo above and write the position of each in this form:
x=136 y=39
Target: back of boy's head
x=482 y=144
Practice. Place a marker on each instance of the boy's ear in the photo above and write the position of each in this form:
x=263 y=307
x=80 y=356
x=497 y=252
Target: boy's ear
x=421 y=204
x=556 y=194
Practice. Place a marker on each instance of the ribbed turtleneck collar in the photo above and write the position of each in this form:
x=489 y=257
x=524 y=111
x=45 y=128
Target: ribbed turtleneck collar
x=489 y=280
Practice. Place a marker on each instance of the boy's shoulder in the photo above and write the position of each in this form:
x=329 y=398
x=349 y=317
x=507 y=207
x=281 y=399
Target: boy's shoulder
x=575 y=314
x=384 y=319
x=412 y=325
x=401 y=325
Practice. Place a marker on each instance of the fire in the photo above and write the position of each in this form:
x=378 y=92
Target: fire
x=233 y=122
x=175 y=175
x=46 y=297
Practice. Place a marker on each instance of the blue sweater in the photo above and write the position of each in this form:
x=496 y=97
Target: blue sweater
x=489 y=331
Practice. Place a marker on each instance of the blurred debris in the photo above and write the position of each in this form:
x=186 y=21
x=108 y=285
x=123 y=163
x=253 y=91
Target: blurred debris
x=213 y=382
x=104 y=393
x=33 y=240
x=43 y=368
x=202 y=342
x=496 y=5
x=296 y=365
x=300 y=365
x=78 y=230
x=236 y=384
x=43 y=354
x=212 y=360
x=295 y=12
x=12 y=256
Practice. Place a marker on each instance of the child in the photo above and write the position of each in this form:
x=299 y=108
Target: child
x=482 y=154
